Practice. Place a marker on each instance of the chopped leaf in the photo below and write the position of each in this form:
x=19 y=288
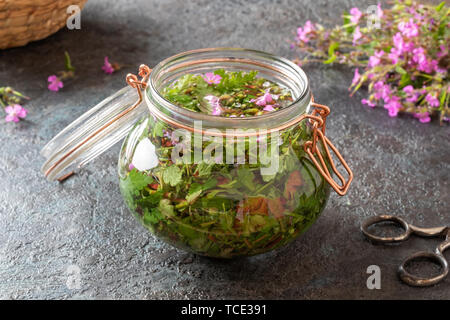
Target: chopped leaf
x=172 y=175
x=294 y=181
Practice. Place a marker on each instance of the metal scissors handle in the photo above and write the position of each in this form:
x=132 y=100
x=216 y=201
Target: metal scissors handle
x=409 y=229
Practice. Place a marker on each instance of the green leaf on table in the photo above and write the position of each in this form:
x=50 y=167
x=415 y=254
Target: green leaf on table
x=332 y=48
x=330 y=60
x=331 y=52
x=68 y=62
x=347 y=23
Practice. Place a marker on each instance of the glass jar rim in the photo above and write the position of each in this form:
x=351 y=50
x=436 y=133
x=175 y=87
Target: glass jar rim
x=111 y=120
x=158 y=105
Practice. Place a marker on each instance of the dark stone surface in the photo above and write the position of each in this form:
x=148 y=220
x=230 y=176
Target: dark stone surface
x=47 y=229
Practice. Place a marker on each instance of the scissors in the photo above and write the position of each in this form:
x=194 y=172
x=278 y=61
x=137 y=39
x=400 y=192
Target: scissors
x=409 y=229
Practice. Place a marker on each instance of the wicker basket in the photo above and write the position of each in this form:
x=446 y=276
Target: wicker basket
x=22 y=21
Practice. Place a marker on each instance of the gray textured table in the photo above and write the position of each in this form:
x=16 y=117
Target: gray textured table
x=49 y=231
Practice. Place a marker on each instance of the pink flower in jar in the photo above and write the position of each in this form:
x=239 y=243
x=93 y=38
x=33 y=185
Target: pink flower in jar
x=211 y=78
x=216 y=109
x=265 y=99
x=269 y=108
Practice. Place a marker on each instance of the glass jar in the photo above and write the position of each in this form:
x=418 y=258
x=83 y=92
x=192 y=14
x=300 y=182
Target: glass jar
x=217 y=186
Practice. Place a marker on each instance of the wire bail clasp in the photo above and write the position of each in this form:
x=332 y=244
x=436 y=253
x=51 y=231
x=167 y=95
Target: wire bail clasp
x=318 y=121
x=133 y=81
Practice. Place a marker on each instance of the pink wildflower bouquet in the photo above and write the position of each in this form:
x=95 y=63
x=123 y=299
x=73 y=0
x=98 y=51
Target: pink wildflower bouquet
x=403 y=53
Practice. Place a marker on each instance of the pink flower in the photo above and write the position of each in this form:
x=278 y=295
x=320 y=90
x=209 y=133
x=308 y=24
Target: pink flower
x=215 y=105
x=423 y=64
x=265 y=99
x=107 y=67
x=443 y=51
x=308 y=27
x=394 y=55
x=55 y=83
x=432 y=100
x=368 y=103
x=269 y=108
x=393 y=106
x=409 y=29
x=212 y=78
x=419 y=55
x=440 y=70
x=168 y=134
x=400 y=47
x=411 y=95
x=399 y=43
x=379 y=11
x=130 y=167
x=375 y=59
x=356 y=36
x=423 y=117
x=355 y=15
x=382 y=91
x=428 y=66
x=15 y=112
x=356 y=77
x=302 y=33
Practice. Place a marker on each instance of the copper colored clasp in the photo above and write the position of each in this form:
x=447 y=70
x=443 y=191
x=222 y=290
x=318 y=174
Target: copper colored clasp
x=318 y=119
x=134 y=82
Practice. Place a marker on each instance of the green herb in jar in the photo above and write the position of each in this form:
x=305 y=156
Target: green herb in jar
x=215 y=208
x=228 y=94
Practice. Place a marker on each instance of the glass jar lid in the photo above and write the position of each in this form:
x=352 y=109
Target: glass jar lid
x=92 y=133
